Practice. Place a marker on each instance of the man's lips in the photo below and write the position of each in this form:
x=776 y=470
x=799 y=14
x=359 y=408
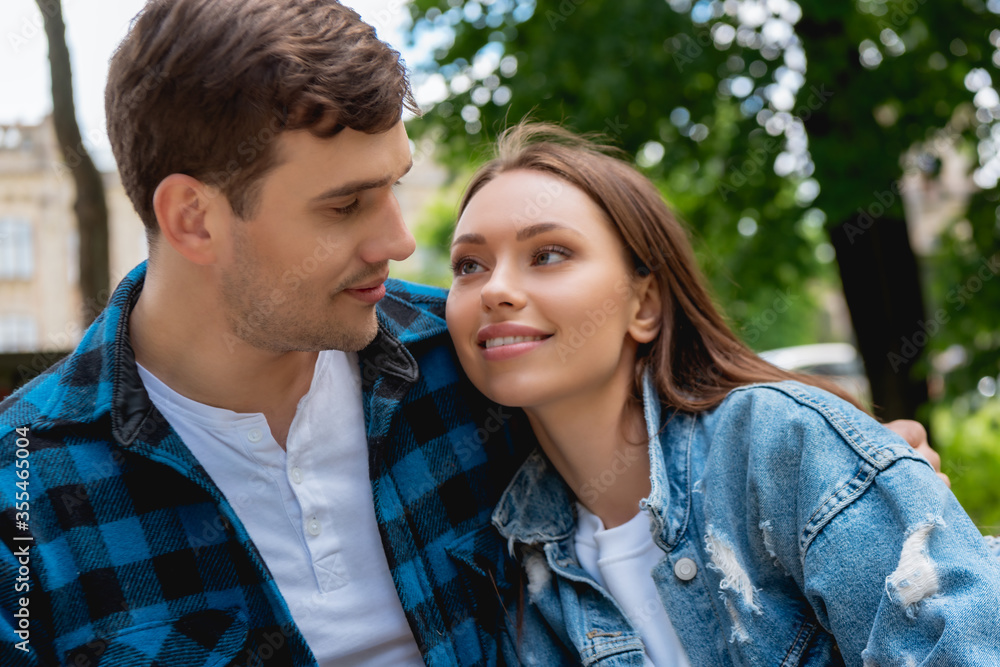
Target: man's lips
x=371 y=284
x=370 y=292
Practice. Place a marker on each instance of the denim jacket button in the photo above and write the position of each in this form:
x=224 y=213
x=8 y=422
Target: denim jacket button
x=685 y=569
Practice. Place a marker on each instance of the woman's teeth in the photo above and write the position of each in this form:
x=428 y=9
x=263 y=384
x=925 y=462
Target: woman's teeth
x=509 y=340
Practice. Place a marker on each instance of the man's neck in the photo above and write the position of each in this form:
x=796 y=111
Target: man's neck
x=186 y=343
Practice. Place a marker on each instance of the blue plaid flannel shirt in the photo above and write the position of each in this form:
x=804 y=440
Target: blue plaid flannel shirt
x=127 y=553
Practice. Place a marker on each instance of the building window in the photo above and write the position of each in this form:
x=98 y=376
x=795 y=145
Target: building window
x=17 y=250
x=18 y=333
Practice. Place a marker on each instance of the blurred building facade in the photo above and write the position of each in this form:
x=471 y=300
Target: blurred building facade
x=40 y=302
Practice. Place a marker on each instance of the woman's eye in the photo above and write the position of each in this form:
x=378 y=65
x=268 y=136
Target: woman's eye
x=464 y=267
x=553 y=255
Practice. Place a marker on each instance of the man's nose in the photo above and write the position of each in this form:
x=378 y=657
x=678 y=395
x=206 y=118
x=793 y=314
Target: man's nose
x=390 y=238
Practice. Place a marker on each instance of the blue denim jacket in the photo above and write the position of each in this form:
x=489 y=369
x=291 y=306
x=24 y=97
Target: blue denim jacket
x=795 y=531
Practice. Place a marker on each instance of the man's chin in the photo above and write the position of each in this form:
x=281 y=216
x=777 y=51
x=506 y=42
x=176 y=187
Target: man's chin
x=317 y=340
x=357 y=344
x=357 y=340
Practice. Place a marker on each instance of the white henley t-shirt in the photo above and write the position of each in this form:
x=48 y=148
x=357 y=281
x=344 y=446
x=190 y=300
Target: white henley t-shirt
x=308 y=509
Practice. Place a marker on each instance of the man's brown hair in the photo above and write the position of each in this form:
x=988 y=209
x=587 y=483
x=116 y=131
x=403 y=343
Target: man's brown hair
x=203 y=87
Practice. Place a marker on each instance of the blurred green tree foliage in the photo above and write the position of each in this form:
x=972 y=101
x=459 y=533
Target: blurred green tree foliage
x=967 y=439
x=780 y=132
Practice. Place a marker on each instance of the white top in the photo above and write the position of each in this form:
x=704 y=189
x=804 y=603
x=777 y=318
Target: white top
x=621 y=560
x=309 y=510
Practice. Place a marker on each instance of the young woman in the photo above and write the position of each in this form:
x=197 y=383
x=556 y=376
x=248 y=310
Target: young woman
x=690 y=503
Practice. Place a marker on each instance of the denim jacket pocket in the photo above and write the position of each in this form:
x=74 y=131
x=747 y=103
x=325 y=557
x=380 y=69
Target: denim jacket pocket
x=812 y=646
x=206 y=638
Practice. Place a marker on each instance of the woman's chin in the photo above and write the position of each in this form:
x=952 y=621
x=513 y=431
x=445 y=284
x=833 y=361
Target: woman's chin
x=508 y=394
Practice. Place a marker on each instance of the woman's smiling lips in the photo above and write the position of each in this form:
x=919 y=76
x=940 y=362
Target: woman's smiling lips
x=503 y=341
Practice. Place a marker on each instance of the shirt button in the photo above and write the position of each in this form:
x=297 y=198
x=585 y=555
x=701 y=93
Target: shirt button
x=685 y=569
x=254 y=435
x=297 y=475
x=313 y=527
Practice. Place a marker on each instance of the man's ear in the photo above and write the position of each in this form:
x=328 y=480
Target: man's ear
x=647 y=318
x=187 y=219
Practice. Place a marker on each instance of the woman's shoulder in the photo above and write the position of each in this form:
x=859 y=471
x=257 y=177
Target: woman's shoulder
x=802 y=455
x=792 y=414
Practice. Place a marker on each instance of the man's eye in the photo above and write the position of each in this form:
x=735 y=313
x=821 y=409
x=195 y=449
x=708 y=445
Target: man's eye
x=350 y=208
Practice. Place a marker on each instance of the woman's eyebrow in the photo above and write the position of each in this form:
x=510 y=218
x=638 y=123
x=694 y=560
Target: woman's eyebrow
x=542 y=227
x=522 y=234
x=475 y=239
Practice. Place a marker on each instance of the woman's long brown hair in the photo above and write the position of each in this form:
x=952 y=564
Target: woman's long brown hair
x=697 y=359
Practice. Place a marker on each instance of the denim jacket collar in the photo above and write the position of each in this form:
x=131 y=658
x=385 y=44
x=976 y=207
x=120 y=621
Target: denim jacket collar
x=537 y=505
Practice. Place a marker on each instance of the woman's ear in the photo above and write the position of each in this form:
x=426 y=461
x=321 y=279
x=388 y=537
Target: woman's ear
x=647 y=318
x=182 y=205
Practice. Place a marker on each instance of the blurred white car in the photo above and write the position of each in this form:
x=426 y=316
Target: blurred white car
x=839 y=362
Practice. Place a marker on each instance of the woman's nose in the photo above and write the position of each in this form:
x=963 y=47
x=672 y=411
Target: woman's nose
x=503 y=288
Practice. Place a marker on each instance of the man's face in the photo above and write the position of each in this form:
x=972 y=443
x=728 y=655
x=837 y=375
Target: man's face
x=305 y=272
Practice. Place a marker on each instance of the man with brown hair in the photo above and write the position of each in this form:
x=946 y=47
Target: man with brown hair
x=262 y=451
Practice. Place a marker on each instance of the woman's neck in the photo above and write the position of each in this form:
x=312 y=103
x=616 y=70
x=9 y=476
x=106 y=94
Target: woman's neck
x=597 y=441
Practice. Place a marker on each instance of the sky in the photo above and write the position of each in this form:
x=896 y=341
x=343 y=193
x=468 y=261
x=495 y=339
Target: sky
x=93 y=30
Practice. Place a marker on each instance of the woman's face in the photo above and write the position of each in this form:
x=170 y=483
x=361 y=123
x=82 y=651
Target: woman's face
x=543 y=306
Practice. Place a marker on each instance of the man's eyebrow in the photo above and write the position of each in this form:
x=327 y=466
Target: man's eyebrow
x=522 y=234
x=360 y=186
